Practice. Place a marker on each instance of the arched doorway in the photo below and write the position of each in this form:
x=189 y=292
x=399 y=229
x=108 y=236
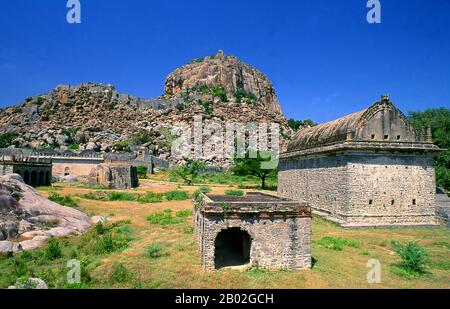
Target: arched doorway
x=26 y=177
x=41 y=178
x=48 y=179
x=232 y=248
x=34 y=178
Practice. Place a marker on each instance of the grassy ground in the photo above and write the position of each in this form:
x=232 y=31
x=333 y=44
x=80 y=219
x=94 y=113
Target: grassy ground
x=138 y=254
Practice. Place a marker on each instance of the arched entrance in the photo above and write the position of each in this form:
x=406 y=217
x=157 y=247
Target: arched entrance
x=26 y=177
x=34 y=178
x=41 y=178
x=48 y=179
x=232 y=248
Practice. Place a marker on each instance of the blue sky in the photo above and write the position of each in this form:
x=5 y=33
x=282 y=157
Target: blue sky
x=323 y=57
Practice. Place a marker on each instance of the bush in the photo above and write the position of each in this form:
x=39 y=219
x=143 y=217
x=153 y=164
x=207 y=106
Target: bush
x=62 y=200
x=142 y=171
x=414 y=257
x=53 y=249
x=122 y=145
x=234 y=192
x=245 y=96
x=202 y=189
x=155 y=251
x=151 y=197
x=164 y=218
x=120 y=274
x=184 y=213
x=7 y=139
x=337 y=244
x=120 y=196
x=177 y=195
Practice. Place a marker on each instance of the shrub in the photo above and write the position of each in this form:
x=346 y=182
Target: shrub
x=7 y=139
x=155 y=251
x=245 y=96
x=151 y=197
x=122 y=145
x=53 y=249
x=337 y=244
x=62 y=200
x=142 y=171
x=120 y=196
x=414 y=257
x=202 y=189
x=184 y=213
x=177 y=195
x=164 y=218
x=120 y=274
x=234 y=192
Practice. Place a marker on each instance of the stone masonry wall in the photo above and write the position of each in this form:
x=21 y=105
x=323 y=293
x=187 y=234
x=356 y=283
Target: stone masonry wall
x=281 y=243
x=391 y=189
x=322 y=181
x=364 y=189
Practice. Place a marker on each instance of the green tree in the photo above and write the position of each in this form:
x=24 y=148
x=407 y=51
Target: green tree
x=7 y=139
x=300 y=124
x=189 y=171
x=253 y=166
x=439 y=122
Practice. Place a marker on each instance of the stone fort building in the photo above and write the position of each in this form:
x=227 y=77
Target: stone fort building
x=257 y=230
x=370 y=168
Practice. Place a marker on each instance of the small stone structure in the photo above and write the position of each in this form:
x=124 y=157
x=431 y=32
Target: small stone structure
x=370 y=168
x=259 y=230
x=34 y=172
x=114 y=176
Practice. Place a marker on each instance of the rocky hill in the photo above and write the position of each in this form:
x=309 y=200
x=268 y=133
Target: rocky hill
x=97 y=117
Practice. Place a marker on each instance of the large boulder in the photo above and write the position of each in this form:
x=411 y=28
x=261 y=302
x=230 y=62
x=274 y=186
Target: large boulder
x=25 y=212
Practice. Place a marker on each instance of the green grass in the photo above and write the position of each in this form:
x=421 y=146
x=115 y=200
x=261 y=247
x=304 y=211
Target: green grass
x=120 y=274
x=337 y=244
x=50 y=262
x=62 y=200
x=155 y=251
x=164 y=218
x=151 y=197
x=177 y=195
x=234 y=193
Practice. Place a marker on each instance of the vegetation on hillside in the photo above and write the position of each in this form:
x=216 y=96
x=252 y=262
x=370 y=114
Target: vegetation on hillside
x=297 y=125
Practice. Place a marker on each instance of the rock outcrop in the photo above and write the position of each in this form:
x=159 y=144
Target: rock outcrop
x=227 y=72
x=28 y=216
x=96 y=117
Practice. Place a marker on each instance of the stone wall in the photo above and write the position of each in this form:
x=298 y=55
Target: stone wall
x=280 y=239
x=114 y=176
x=364 y=189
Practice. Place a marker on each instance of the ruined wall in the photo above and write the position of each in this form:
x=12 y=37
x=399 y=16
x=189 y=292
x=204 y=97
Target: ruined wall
x=322 y=181
x=72 y=168
x=114 y=176
x=364 y=189
x=276 y=243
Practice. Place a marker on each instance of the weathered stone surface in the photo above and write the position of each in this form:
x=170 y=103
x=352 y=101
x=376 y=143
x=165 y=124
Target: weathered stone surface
x=30 y=284
x=33 y=211
x=279 y=230
x=114 y=176
x=227 y=72
x=357 y=180
x=96 y=116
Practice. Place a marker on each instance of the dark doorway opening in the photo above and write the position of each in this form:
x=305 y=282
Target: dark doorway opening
x=48 y=179
x=41 y=178
x=26 y=177
x=34 y=179
x=232 y=248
